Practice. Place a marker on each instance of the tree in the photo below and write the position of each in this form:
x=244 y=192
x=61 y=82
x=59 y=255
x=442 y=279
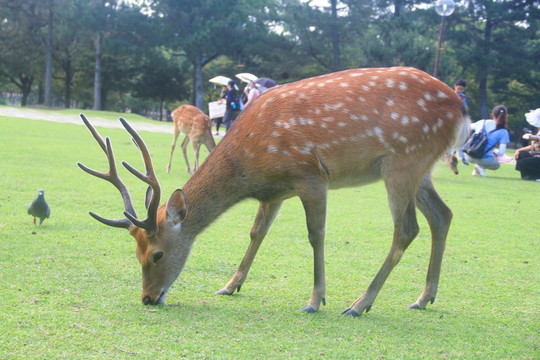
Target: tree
x=200 y=31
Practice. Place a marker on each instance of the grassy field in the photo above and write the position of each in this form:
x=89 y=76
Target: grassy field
x=71 y=288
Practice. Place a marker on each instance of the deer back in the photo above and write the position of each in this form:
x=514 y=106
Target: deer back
x=343 y=126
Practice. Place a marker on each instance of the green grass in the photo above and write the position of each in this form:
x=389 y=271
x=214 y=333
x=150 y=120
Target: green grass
x=71 y=288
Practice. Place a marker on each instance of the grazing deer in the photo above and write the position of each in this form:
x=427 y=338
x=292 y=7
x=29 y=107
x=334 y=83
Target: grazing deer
x=197 y=127
x=452 y=161
x=348 y=128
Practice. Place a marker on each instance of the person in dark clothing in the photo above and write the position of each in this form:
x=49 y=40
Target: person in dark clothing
x=232 y=105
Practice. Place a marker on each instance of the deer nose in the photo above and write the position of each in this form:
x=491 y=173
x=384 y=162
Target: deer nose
x=147 y=300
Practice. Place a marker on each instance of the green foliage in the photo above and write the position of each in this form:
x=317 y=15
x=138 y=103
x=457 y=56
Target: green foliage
x=71 y=288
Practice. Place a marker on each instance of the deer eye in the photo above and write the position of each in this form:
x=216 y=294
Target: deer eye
x=157 y=256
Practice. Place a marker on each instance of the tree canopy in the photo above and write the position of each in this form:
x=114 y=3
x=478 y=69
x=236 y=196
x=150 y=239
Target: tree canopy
x=154 y=54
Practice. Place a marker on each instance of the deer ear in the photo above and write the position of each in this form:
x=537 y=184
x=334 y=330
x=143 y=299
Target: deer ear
x=148 y=199
x=176 y=206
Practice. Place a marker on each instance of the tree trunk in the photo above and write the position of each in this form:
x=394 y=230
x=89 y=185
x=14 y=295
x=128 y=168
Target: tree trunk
x=484 y=71
x=97 y=72
x=336 y=53
x=48 y=56
x=26 y=88
x=67 y=84
x=198 y=91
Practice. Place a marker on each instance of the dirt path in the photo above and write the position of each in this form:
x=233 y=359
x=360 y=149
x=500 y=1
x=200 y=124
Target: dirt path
x=36 y=114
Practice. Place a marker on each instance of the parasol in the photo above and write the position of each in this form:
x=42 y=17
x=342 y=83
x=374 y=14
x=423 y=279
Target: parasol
x=220 y=80
x=264 y=83
x=246 y=77
x=533 y=117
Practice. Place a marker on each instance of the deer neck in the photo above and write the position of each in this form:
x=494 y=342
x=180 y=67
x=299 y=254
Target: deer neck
x=211 y=191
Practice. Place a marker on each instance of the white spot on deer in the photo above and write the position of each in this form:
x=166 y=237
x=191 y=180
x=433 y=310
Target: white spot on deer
x=275 y=133
x=421 y=103
x=320 y=84
x=405 y=120
x=374 y=77
x=286 y=153
x=282 y=124
x=402 y=86
x=356 y=74
x=414 y=119
x=327 y=118
x=440 y=122
x=269 y=100
x=389 y=102
x=272 y=149
x=390 y=83
x=364 y=87
x=376 y=111
x=428 y=96
x=343 y=84
x=425 y=128
x=379 y=133
x=292 y=121
x=403 y=139
x=333 y=107
x=450 y=115
x=341 y=124
x=403 y=73
x=361 y=98
x=372 y=83
x=394 y=115
x=395 y=135
x=441 y=95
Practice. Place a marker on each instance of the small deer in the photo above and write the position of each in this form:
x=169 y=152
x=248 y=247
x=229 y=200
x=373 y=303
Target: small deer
x=197 y=127
x=343 y=129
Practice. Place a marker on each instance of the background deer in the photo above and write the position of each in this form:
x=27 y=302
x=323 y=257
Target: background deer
x=348 y=128
x=197 y=127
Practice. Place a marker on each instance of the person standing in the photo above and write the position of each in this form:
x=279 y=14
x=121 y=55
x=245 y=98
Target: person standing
x=232 y=104
x=497 y=134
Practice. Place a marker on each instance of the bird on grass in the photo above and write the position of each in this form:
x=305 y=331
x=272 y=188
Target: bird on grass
x=39 y=208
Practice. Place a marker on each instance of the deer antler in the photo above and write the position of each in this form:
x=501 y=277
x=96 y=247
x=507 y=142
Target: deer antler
x=154 y=190
x=150 y=223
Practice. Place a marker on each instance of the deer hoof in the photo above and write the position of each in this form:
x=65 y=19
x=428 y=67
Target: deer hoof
x=415 y=306
x=308 y=309
x=223 y=292
x=351 y=312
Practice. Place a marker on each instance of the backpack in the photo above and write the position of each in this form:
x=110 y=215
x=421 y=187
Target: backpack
x=476 y=146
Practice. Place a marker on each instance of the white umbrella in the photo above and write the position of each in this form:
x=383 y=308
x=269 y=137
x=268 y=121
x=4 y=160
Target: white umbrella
x=220 y=80
x=246 y=77
x=533 y=117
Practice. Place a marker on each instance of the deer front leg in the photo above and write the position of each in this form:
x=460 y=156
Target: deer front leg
x=265 y=217
x=439 y=217
x=315 y=208
x=185 y=143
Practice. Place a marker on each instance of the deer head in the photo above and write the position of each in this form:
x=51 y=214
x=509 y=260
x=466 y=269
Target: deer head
x=157 y=235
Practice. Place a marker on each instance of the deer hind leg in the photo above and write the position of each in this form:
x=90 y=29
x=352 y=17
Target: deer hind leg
x=265 y=217
x=185 y=143
x=402 y=206
x=173 y=145
x=439 y=217
x=315 y=207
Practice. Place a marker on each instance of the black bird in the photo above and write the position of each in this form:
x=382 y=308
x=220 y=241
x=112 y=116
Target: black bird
x=39 y=207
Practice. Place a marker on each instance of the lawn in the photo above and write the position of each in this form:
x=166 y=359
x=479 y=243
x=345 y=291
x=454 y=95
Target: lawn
x=71 y=288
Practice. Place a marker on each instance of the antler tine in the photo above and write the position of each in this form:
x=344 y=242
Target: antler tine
x=150 y=223
x=111 y=176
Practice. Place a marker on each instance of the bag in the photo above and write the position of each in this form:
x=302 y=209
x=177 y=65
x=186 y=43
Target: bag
x=476 y=146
